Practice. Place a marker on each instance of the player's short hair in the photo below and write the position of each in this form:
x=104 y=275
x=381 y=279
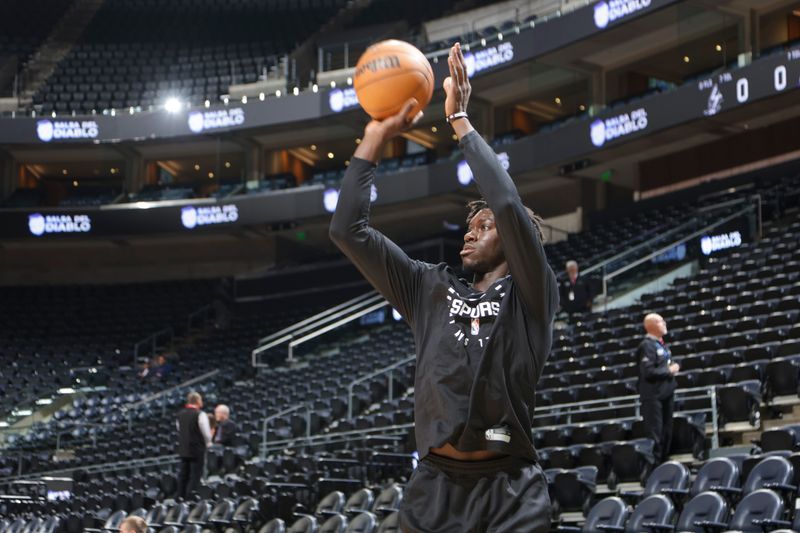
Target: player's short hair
x=476 y=206
x=193 y=398
x=135 y=524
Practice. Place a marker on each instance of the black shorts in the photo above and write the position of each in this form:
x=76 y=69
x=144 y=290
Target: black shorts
x=506 y=495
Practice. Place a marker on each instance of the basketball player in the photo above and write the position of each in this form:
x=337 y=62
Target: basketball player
x=480 y=346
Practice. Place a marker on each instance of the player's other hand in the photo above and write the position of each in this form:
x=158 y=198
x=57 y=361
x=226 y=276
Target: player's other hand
x=674 y=368
x=390 y=127
x=456 y=85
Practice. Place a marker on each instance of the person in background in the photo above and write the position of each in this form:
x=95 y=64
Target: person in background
x=576 y=295
x=133 y=524
x=225 y=429
x=162 y=368
x=657 y=385
x=194 y=436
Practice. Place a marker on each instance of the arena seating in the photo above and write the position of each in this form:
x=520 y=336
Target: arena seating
x=136 y=53
x=49 y=334
x=756 y=285
x=24 y=26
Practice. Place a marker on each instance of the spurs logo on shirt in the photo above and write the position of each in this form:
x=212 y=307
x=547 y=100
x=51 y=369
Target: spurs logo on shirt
x=471 y=316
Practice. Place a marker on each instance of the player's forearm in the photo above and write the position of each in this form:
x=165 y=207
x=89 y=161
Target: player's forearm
x=352 y=210
x=371 y=147
x=461 y=126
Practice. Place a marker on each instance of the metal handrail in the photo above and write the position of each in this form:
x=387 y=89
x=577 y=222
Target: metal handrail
x=660 y=236
x=634 y=400
x=204 y=311
x=313 y=323
x=316 y=317
x=622 y=270
x=95 y=468
x=333 y=436
x=387 y=369
x=347 y=319
x=152 y=340
x=270 y=418
x=131 y=406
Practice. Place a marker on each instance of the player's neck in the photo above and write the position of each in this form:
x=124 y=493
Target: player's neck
x=482 y=281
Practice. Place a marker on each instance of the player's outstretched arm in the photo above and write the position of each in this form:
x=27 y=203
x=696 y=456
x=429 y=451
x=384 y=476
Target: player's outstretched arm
x=382 y=262
x=522 y=245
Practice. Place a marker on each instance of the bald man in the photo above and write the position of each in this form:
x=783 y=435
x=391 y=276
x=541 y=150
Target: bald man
x=657 y=384
x=225 y=430
x=133 y=524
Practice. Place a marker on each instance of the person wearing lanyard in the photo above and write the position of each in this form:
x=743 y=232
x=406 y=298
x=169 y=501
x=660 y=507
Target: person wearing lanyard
x=657 y=385
x=576 y=295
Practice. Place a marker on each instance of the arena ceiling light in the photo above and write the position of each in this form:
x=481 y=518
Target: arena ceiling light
x=172 y=105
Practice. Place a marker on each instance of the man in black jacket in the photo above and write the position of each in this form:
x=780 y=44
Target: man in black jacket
x=657 y=384
x=576 y=294
x=194 y=436
x=225 y=430
x=481 y=346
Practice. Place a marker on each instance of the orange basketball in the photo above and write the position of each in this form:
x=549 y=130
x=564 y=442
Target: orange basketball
x=390 y=72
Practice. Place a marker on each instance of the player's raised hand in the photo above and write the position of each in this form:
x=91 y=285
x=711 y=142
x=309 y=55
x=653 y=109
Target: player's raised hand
x=392 y=126
x=456 y=85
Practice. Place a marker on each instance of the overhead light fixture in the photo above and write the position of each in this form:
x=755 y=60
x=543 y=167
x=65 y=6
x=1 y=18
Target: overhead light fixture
x=64 y=171
x=358 y=140
x=210 y=175
x=718 y=48
x=313 y=147
x=227 y=164
x=261 y=96
x=207 y=103
x=582 y=107
x=558 y=100
x=74 y=183
x=333 y=84
x=434 y=129
x=296 y=91
x=314 y=88
x=196 y=166
x=278 y=93
x=686 y=59
x=244 y=99
x=349 y=80
x=330 y=155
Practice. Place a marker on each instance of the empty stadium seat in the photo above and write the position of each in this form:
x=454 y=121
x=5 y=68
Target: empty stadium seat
x=609 y=514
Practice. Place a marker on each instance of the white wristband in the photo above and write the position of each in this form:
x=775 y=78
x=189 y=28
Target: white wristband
x=454 y=116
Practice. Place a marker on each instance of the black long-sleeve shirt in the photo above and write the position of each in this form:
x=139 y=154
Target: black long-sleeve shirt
x=479 y=355
x=655 y=379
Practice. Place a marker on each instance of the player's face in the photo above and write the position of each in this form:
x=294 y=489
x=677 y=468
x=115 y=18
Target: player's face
x=482 y=250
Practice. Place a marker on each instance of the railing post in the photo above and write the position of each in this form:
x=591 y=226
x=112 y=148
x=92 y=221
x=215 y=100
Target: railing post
x=346 y=55
x=714 y=418
x=391 y=385
x=308 y=421
x=638 y=409
x=290 y=358
x=350 y=402
x=264 y=439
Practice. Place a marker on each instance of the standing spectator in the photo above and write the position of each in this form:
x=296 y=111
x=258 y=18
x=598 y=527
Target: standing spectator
x=162 y=368
x=225 y=429
x=194 y=436
x=657 y=385
x=576 y=295
x=133 y=524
